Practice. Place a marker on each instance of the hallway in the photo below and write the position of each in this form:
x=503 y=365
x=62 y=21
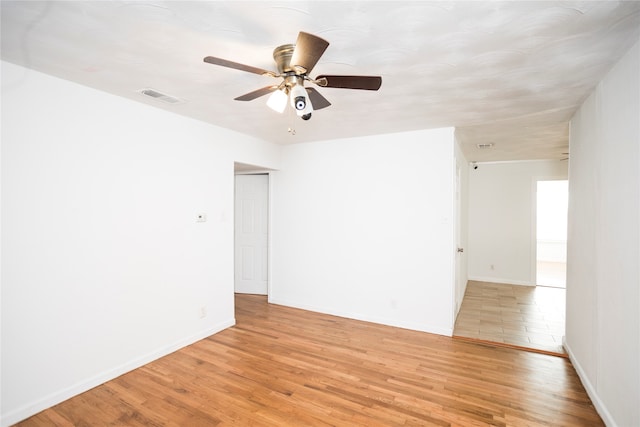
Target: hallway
x=532 y=317
x=552 y=274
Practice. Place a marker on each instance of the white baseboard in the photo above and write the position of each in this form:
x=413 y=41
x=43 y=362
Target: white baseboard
x=381 y=321
x=502 y=281
x=33 y=408
x=589 y=387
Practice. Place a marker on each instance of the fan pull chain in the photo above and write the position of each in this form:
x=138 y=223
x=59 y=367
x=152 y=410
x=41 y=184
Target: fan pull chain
x=292 y=117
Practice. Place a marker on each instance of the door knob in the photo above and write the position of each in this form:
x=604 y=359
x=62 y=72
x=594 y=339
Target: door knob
x=460 y=249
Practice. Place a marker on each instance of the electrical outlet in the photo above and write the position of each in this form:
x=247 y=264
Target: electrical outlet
x=203 y=312
x=201 y=217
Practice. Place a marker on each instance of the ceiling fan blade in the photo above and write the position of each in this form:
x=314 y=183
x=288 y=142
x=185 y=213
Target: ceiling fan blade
x=308 y=50
x=318 y=101
x=351 y=82
x=257 y=93
x=242 y=67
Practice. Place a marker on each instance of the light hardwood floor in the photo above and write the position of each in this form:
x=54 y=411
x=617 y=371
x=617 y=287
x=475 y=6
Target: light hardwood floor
x=285 y=367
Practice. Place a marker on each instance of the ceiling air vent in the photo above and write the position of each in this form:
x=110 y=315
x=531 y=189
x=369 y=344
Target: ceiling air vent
x=484 y=146
x=152 y=93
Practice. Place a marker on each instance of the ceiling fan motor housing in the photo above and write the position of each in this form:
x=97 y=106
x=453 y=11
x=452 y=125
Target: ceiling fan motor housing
x=282 y=56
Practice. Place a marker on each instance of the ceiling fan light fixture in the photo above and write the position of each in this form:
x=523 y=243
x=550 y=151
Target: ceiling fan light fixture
x=294 y=63
x=278 y=101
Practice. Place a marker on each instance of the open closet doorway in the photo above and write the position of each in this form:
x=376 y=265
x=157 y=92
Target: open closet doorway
x=251 y=218
x=551 y=233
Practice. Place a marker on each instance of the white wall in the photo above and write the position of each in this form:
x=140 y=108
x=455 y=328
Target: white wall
x=502 y=219
x=603 y=256
x=103 y=265
x=363 y=228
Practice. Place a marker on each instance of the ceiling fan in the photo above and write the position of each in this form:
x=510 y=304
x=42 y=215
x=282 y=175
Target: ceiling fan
x=294 y=63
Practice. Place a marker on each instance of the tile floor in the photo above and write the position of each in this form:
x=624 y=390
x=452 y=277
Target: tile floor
x=552 y=274
x=523 y=316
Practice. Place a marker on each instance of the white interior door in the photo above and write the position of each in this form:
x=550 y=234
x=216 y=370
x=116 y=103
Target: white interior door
x=251 y=234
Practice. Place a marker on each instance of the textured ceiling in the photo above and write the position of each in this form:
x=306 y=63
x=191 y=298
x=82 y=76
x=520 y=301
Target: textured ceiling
x=506 y=73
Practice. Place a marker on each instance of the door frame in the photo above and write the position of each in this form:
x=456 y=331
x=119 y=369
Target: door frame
x=460 y=233
x=534 y=222
x=247 y=169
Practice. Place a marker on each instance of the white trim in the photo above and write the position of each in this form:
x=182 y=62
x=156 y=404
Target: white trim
x=591 y=391
x=33 y=408
x=258 y=171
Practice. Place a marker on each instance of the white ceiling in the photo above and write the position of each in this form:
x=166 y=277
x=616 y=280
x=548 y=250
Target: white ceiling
x=506 y=73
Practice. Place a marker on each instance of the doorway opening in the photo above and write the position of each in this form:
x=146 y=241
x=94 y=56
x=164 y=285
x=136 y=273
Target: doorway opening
x=531 y=318
x=251 y=230
x=551 y=233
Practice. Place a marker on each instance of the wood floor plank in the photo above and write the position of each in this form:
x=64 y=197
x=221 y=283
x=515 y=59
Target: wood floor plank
x=286 y=367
